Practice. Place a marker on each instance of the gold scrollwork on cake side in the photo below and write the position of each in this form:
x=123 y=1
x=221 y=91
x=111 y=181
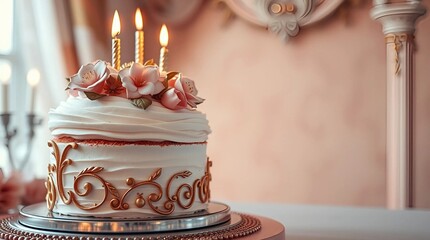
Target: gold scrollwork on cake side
x=121 y=204
x=51 y=194
x=61 y=162
x=183 y=196
x=204 y=188
x=91 y=172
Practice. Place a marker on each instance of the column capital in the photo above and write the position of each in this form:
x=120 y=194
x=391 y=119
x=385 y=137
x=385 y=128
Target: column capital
x=397 y=17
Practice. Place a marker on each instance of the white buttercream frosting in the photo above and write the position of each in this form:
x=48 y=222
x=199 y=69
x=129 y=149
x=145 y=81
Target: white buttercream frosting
x=115 y=118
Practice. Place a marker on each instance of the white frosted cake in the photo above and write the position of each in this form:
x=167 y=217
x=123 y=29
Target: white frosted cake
x=128 y=144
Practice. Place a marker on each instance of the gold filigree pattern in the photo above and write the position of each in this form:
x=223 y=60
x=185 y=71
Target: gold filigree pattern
x=51 y=195
x=182 y=197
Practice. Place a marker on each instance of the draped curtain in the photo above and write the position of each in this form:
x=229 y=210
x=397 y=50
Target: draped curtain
x=55 y=37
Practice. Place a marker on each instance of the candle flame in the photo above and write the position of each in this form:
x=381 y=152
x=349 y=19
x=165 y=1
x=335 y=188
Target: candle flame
x=138 y=19
x=116 y=25
x=5 y=73
x=33 y=77
x=164 y=36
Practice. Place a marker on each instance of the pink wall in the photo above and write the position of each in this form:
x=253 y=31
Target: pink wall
x=301 y=122
x=422 y=113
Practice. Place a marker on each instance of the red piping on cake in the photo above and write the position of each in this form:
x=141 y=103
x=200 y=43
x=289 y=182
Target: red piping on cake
x=122 y=143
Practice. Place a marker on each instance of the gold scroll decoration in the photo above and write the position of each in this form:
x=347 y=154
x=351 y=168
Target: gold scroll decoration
x=397 y=40
x=54 y=184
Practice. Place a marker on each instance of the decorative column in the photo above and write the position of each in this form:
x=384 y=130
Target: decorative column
x=398 y=21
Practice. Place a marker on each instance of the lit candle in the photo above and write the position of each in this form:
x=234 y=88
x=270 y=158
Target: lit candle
x=164 y=40
x=5 y=73
x=33 y=77
x=116 y=42
x=139 y=37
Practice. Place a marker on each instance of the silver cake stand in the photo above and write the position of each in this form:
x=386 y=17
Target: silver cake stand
x=217 y=222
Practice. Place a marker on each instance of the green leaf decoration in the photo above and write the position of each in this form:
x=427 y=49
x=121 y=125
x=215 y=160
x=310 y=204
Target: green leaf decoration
x=170 y=75
x=150 y=62
x=142 y=102
x=158 y=95
x=68 y=80
x=93 y=95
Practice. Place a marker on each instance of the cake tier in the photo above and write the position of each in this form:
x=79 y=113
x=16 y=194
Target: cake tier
x=116 y=119
x=122 y=179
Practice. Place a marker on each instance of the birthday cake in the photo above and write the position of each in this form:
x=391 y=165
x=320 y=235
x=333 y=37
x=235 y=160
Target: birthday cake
x=128 y=143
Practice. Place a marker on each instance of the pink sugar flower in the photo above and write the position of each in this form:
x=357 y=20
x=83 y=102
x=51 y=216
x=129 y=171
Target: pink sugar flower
x=90 y=77
x=182 y=91
x=140 y=80
x=113 y=86
x=174 y=99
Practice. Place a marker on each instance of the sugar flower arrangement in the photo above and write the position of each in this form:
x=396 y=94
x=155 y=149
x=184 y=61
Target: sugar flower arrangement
x=141 y=83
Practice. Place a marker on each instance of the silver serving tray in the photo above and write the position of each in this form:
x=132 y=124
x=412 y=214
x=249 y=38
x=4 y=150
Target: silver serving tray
x=38 y=217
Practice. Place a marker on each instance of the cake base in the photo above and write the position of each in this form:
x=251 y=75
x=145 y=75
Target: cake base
x=217 y=223
x=37 y=216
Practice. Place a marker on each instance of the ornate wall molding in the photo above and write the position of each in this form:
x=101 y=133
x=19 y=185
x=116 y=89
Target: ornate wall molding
x=397 y=17
x=283 y=17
